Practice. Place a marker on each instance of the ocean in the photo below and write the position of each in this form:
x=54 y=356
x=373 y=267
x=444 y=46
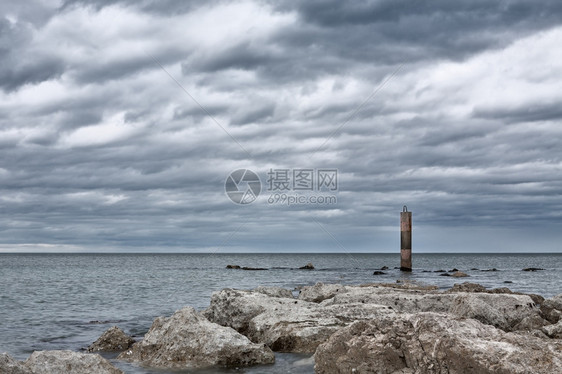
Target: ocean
x=65 y=301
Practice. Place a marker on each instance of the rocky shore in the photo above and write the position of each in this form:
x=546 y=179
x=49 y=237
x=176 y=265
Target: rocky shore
x=370 y=328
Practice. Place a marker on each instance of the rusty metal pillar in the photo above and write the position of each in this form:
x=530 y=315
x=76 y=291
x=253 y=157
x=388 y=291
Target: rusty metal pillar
x=405 y=240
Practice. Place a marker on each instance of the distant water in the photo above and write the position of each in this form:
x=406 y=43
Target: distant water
x=65 y=301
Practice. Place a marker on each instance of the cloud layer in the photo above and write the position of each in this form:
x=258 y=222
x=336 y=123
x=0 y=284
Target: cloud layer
x=121 y=120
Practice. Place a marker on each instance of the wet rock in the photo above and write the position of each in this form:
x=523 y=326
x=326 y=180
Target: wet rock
x=251 y=268
x=473 y=268
x=275 y=291
x=445 y=275
x=8 y=365
x=54 y=362
x=308 y=266
x=453 y=270
x=378 y=272
x=112 y=340
x=553 y=331
x=533 y=269
x=320 y=292
x=507 y=282
x=233 y=266
x=440 y=271
x=384 y=268
x=433 y=344
x=187 y=340
x=459 y=274
x=493 y=269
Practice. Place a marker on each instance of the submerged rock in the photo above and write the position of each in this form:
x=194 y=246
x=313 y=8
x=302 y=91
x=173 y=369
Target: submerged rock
x=187 y=340
x=112 y=340
x=55 y=362
x=378 y=272
x=308 y=266
x=533 y=269
x=433 y=343
x=459 y=274
x=251 y=268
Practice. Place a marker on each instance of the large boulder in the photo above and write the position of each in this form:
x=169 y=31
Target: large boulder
x=8 y=365
x=320 y=292
x=68 y=362
x=187 y=340
x=504 y=311
x=433 y=343
x=112 y=340
x=285 y=325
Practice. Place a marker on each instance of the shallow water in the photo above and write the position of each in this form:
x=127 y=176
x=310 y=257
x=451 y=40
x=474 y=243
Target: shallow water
x=65 y=301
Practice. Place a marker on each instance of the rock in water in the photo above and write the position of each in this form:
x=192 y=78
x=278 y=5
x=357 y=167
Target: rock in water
x=378 y=272
x=308 y=266
x=112 y=340
x=187 y=340
x=233 y=266
x=433 y=343
x=55 y=362
x=10 y=366
x=533 y=269
x=459 y=274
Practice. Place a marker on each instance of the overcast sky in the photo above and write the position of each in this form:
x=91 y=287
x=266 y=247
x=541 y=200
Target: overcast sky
x=120 y=122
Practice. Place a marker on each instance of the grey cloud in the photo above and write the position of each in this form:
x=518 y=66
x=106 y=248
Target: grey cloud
x=280 y=95
x=524 y=113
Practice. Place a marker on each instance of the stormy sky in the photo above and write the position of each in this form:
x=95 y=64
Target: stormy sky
x=120 y=122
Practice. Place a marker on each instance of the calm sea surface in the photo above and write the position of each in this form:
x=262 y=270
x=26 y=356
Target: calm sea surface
x=65 y=301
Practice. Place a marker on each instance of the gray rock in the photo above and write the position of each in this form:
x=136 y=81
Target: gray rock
x=8 y=365
x=553 y=331
x=289 y=325
x=275 y=291
x=431 y=343
x=187 y=340
x=112 y=340
x=320 y=292
x=504 y=311
x=283 y=324
x=459 y=274
x=68 y=362
x=467 y=287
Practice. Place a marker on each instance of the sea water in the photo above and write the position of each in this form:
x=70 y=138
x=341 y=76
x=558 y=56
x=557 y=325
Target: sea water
x=65 y=301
